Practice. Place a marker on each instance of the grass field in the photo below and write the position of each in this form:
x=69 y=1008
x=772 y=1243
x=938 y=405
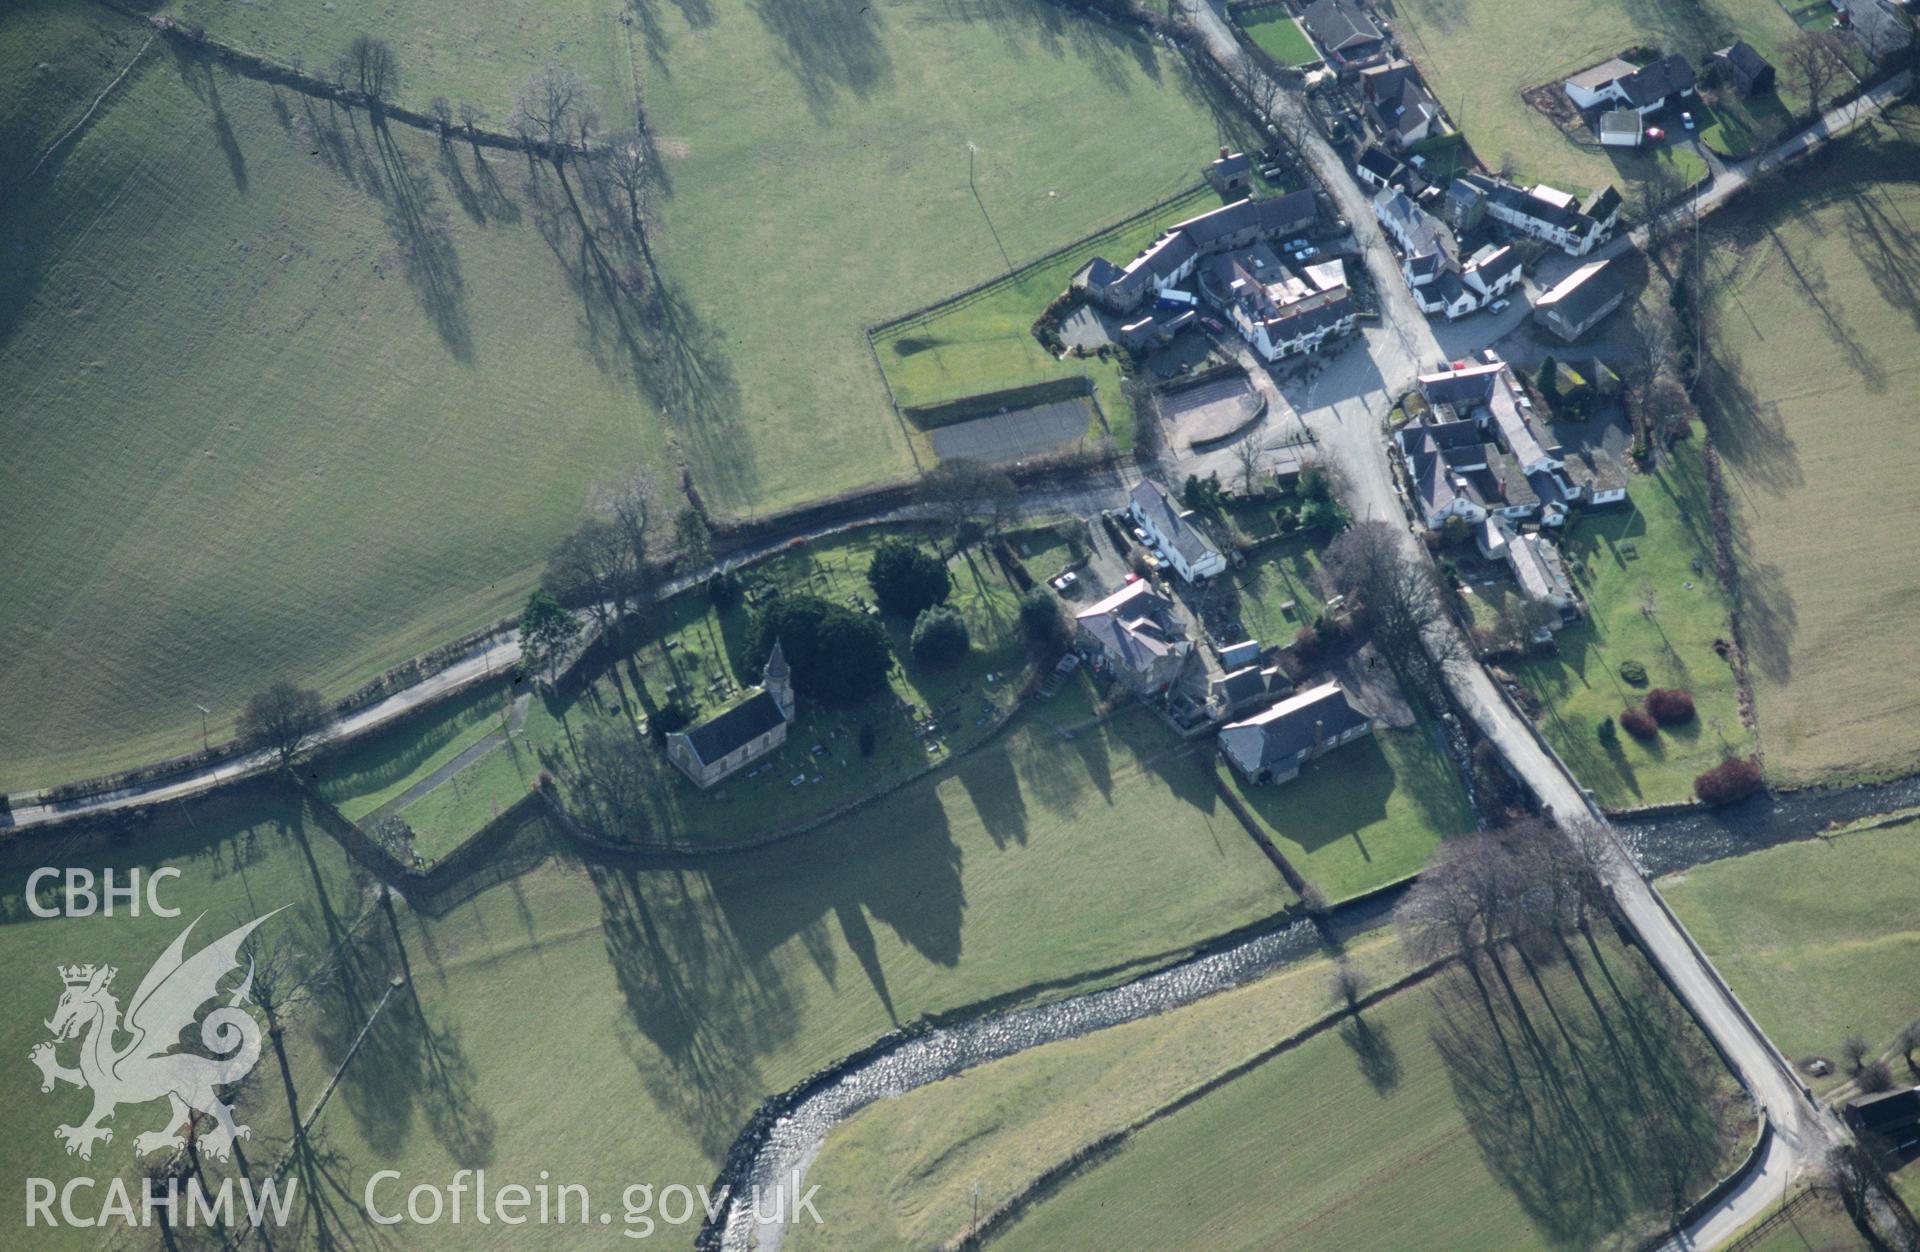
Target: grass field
x=1816 y=1222
x=678 y=996
x=1278 y=35
x=240 y=855
x=295 y=397
x=55 y=59
x=1578 y=1113
x=1479 y=55
x=984 y=341
x=1818 y=938
x=1666 y=529
x=1818 y=323
x=902 y=1173
x=1364 y=815
x=821 y=182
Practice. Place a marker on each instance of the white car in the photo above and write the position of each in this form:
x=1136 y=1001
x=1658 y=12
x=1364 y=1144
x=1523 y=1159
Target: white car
x=1686 y=120
x=1500 y=306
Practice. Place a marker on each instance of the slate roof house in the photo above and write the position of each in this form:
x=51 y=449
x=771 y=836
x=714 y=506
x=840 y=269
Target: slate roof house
x=1892 y=1116
x=1746 y=69
x=1271 y=746
x=1578 y=302
x=1375 y=168
x=1644 y=89
x=1172 y=257
x=1279 y=313
x=1243 y=688
x=1881 y=26
x=1430 y=262
x=1402 y=110
x=1135 y=632
x=1345 y=33
x=1231 y=172
x=1190 y=553
x=1543 y=212
x=1512 y=474
x=740 y=734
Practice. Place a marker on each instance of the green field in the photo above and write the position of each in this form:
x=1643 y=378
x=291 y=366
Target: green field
x=984 y=341
x=1818 y=939
x=1666 y=530
x=55 y=59
x=296 y=397
x=1591 y=1112
x=240 y=855
x=1364 y=815
x=1278 y=35
x=902 y=1173
x=1478 y=56
x=1817 y=324
x=677 y=996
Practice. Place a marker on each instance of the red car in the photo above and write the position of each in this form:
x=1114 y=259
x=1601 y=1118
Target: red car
x=1655 y=134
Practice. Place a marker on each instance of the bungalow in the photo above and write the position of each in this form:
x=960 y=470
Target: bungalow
x=1172 y=256
x=1271 y=747
x=1185 y=548
x=1644 y=89
x=1541 y=572
x=1621 y=128
x=1346 y=35
x=710 y=750
x=1136 y=633
x=1746 y=69
x=1579 y=301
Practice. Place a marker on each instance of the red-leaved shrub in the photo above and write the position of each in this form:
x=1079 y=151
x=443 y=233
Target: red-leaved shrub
x=1732 y=779
x=1670 y=706
x=1637 y=722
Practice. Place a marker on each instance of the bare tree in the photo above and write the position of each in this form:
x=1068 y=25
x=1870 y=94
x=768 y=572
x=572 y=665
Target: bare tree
x=471 y=115
x=1667 y=411
x=970 y=496
x=1656 y=186
x=442 y=111
x=1854 y=1050
x=633 y=503
x=1144 y=398
x=1393 y=591
x=1348 y=986
x=283 y=721
x=1246 y=455
x=1647 y=360
x=1908 y=1041
x=284 y=980
x=595 y=568
x=1814 y=58
x=374 y=70
x=628 y=167
x=553 y=108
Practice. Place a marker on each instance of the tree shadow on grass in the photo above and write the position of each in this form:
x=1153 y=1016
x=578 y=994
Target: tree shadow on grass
x=1605 y=1115
x=196 y=72
x=831 y=47
x=1373 y=1050
x=419 y=226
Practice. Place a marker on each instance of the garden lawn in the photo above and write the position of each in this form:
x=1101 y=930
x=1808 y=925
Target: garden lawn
x=613 y=1023
x=1664 y=526
x=293 y=398
x=241 y=855
x=1819 y=939
x=1275 y=575
x=1365 y=814
x=1819 y=330
x=1479 y=55
x=903 y=1172
x=1593 y=1111
x=376 y=769
x=821 y=182
x=984 y=341
x=1278 y=35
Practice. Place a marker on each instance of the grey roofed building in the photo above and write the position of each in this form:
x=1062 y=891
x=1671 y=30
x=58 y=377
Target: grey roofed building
x=1343 y=30
x=1236 y=655
x=1621 y=128
x=1122 y=289
x=1580 y=300
x=1748 y=70
x=1243 y=688
x=1603 y=205
x=1136 y=631
x=735 y=727
x=1404 y=112
x=1271 y=746
x=1611 y=70
x=1189 y=551
x=1231 y=172
x=1892 y=1116
x=1376 y=168
x=1654 y=84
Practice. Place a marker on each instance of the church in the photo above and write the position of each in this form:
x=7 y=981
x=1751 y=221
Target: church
x=740 y=734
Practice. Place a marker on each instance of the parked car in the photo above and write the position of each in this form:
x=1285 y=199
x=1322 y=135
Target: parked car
x=1212 y=325
x=1139 y=536
x=1655 y=134
x=1686 y=120
x=1308 y=251
x=1500 y=306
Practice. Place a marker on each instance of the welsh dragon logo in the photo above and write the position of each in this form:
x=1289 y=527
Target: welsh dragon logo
x=147 y=1067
